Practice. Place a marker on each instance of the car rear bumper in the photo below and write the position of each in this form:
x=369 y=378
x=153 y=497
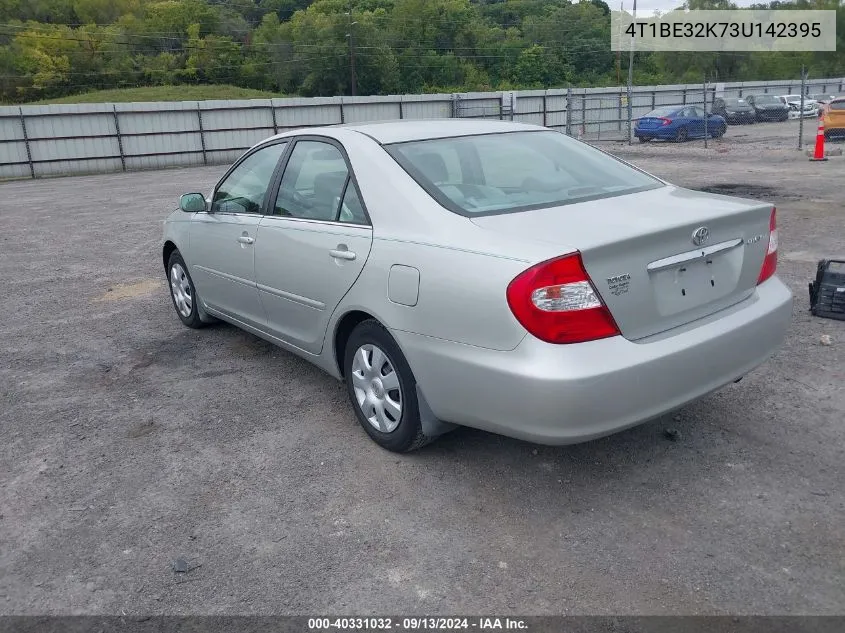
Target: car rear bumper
x=558 y=394
x=657 y=132
x=834 y=130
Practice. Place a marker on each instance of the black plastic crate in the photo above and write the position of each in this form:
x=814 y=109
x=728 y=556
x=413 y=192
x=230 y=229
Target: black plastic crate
x=827 y=292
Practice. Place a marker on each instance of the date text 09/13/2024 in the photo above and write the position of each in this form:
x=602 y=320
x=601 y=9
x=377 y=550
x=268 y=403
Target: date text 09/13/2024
x=416 y=624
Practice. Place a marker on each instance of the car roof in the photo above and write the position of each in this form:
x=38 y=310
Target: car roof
x=400 y=131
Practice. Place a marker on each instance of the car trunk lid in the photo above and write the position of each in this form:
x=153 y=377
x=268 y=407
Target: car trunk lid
x=659 y=258
x=651 y=123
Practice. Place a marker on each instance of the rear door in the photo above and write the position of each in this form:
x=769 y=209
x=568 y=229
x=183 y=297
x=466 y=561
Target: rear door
x=222 y=241
x=695 y=120
x=312 y=244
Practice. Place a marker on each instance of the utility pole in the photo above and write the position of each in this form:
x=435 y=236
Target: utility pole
x=350 y=36
x=705 y=111
x=801 y=109
x=631 y=75
x=619 y=52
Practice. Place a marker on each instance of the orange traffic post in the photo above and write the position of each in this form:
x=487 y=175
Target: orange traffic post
x=818 y=153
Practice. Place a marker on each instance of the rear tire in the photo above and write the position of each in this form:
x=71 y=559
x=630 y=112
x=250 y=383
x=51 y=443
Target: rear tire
x=719 y=133
x=681 y=135
x=382 y=389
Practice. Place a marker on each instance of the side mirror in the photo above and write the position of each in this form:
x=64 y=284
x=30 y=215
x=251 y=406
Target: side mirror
x=193 y=203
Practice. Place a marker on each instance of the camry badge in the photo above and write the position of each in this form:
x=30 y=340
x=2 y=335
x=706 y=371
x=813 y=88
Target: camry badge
x=700 y=235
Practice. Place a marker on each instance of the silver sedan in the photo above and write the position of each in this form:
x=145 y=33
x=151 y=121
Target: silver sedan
x=496 y=275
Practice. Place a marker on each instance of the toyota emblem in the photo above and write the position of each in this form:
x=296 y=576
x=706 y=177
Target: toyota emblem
x=700 y=235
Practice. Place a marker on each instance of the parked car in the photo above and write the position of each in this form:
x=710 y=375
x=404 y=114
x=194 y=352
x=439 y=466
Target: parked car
x=678 y=123
x=768 y=107
x=734 y=110
x=492 y=274
x=823 y=101
x=834 y=118
x=793 y=102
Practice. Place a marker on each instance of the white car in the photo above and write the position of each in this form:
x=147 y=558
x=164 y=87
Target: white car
x=811 y=107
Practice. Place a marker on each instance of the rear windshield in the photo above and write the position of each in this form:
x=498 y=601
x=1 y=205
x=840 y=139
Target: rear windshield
x=515 y=171
x=766 y=99
x=734 y=102
x=837 y=105
x=665 y=111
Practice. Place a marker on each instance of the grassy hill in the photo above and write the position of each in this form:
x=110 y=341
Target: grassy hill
x=163 y=93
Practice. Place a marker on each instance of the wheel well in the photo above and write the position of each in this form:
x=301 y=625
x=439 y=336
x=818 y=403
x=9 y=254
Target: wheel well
x=344 y=328
x=169 y=247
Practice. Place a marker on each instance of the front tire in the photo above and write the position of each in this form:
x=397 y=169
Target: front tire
x=719 y=133
x=681 y=135
x=182 y=292
x=382 y=389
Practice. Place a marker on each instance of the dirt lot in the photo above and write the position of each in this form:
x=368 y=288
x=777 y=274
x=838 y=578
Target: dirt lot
x=129 y=441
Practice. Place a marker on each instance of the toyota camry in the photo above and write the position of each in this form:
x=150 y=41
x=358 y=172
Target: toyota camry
x=496 y=275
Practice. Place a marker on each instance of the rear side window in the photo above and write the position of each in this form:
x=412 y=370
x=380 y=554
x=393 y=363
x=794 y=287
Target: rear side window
x=515 y=171
x=837 y=105
x=665 y=111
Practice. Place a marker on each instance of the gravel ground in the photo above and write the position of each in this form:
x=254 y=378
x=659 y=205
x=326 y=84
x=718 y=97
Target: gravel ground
x=129 y=441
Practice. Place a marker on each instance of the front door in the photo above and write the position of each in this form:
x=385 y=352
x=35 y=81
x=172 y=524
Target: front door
x=312 y=244
x=222 y=241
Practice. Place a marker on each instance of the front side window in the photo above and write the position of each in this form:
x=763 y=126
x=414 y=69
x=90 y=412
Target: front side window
x=243 y=190
x=515 y=171
x=313 y=183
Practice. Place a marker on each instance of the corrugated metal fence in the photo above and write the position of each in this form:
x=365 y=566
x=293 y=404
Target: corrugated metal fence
x=53 y=140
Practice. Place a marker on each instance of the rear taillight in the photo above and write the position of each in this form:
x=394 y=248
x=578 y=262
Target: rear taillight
x=556 y=302
x=770 y=263
x=665 y=121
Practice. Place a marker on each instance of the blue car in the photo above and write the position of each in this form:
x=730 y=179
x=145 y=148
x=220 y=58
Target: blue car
x=678 y=123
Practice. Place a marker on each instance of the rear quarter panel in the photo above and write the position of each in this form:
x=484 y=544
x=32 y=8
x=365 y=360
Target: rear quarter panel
x=462 y=294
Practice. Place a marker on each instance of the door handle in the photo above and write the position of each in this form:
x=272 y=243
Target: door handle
x=246 y=239
x=342 y=254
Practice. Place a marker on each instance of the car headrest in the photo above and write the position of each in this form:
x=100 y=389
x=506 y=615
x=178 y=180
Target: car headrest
x=432 y=166
x=329 y=185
